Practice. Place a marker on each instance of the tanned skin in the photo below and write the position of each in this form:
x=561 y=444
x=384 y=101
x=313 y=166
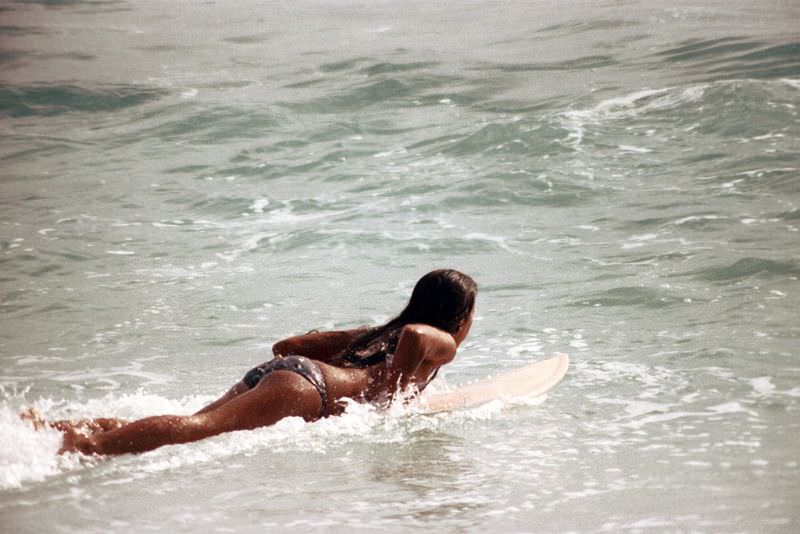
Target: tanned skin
x=421 y=349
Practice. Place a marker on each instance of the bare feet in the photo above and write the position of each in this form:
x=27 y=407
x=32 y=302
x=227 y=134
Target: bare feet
x=34 y=417
x=78 y=436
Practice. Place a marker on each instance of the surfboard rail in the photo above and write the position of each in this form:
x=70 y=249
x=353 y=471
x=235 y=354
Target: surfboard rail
x=530 y=380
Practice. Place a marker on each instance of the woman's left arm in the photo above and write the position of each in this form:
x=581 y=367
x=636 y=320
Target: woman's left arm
x=322 y=346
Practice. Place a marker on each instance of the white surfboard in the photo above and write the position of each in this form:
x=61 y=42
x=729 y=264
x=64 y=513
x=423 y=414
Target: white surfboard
x=529 y=381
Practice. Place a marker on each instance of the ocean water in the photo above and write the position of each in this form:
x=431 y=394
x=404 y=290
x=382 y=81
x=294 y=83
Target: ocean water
x=184 y=183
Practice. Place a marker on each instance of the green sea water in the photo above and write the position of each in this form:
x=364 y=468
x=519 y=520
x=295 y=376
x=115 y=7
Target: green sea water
x=182 y=184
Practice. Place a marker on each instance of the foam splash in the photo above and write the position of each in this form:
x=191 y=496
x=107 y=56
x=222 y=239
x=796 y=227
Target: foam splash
x=31 y=455
x=28 y=455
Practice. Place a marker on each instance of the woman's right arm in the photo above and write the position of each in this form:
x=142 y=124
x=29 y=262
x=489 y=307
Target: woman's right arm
x=420 y=344
x=321 y=346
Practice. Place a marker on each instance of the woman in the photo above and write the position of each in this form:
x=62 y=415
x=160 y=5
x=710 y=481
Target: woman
x=311 y=374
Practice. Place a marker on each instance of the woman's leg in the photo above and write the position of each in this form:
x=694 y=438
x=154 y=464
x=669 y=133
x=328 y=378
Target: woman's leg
x=279 y=394
x=89 y=426
x=84 y=426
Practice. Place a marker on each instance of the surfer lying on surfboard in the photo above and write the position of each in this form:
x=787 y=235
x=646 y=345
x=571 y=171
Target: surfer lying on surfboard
x=310 y=375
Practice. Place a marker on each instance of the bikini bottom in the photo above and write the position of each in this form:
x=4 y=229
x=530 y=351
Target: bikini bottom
x=305 y=367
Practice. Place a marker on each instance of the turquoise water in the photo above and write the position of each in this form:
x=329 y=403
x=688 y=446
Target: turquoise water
x=183 y=184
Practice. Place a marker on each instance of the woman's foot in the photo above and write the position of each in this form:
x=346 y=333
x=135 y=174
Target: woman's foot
x=34 y=417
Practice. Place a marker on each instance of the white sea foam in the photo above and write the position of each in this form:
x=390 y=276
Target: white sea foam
x=259 y=204
x=763 y=386
x=696 y=218
x=792 y=82
x=636 y=149
x=497 y=240
x=626 y=107
x=26 y=454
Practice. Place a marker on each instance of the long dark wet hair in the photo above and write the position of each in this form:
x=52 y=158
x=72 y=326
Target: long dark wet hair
x=443 y=299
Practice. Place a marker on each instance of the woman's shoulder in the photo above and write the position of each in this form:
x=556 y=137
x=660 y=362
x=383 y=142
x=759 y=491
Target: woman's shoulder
x=428 y=337
x=423 y=330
